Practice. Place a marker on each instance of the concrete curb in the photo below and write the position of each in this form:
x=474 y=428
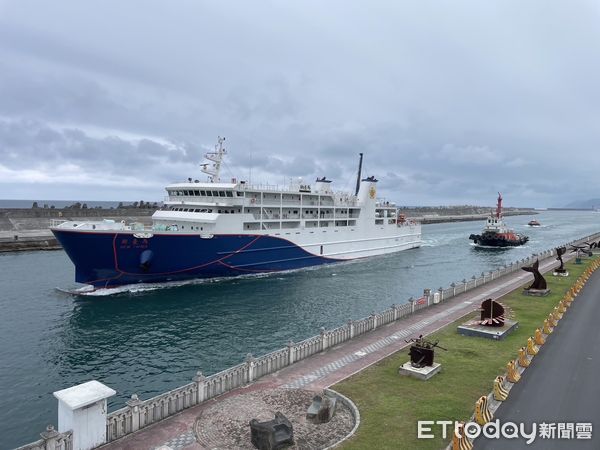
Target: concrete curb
x=355 y=413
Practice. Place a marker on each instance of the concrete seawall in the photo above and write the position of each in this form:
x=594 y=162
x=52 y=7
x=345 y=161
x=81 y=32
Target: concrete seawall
x=466 y=217
x=28 y=229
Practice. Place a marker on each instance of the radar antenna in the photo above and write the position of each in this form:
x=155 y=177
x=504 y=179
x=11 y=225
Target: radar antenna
x=213 y=170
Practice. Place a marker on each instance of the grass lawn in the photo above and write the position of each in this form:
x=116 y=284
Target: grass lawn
x=390 y=404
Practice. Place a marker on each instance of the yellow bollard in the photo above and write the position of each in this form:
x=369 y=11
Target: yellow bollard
x=547 y=328
x=562 y=308
x=482 y=412
x=552 y=320
x=461 y=442
x=539 y=337
x=556 y=313
x=523 y=360
x=512 y=373
x=532 y=349
x=500 y=392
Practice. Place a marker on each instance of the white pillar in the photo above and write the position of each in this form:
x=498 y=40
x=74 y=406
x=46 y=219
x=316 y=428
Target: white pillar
x=200 y=381
x=82 y=408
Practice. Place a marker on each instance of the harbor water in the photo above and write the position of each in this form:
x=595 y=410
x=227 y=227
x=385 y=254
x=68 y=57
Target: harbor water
x=149 y=340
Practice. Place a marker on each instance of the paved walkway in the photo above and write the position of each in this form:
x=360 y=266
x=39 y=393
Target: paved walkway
x=561 y=385
x=335 y=364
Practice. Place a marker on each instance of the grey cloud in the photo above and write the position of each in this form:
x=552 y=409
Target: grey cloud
x=447 y=108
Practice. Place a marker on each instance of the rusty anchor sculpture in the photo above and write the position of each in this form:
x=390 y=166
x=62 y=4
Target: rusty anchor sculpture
x=422 y=351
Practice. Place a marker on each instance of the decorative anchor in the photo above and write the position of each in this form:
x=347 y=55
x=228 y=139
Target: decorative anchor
x=422 y=351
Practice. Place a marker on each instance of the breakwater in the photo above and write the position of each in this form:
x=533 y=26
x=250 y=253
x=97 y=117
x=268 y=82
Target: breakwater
x=28 y=229
x=439 y=218
x=139 y=413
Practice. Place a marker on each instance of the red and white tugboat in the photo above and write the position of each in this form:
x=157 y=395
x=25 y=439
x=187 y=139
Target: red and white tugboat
x=496 y=233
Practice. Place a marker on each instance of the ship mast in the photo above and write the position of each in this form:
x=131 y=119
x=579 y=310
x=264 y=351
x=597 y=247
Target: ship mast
x=213 y=170
x=499 y=206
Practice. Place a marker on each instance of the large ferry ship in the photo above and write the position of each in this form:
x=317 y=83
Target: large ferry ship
x=222 y=229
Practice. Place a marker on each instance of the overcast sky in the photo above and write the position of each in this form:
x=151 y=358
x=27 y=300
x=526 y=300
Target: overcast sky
x=451 y=101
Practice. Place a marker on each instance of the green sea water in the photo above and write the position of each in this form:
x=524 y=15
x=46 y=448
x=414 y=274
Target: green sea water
x=149 y=341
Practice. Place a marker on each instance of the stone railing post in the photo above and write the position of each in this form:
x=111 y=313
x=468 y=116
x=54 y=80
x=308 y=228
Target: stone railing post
x=374 y=316
x=412 y=305
x=323 y=335
x=474 y=278
x=483 y=277
x=200 y=381
x=491 y=275
x=427 y=295
x=453 y=286
x=49 y=436
x=441 y=292
x=134 y=405
x=395 y=309
x=351 y=327
x=250 y=363
x=291 y=352
x=465 y=284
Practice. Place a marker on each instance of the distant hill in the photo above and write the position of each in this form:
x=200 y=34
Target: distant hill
x=585 y=204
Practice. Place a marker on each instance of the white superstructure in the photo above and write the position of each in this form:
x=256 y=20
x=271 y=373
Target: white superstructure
x=314 y=217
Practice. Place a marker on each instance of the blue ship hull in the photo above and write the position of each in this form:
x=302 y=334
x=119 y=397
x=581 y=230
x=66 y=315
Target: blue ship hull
x=112 y=259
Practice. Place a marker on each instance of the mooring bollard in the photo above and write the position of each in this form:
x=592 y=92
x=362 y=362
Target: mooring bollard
x=460 y=441
x=532 y=349
x=500 y=392
x=523 y=360
x=482 y=411
x=512 y=374
x=539 y=337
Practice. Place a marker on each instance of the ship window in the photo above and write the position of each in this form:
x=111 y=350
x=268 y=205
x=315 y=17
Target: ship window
x=221 y=193
x=229 y=194
x=215 y=193
x=185 y=193
x=208 y=193
x=219 y=211
x=182 y=227
x=203 y=194
x=239 y=194
x=196 y=192
x=201 y=228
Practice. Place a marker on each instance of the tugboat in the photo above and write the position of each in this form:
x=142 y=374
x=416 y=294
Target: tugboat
x=534 y=223
x=496 y=233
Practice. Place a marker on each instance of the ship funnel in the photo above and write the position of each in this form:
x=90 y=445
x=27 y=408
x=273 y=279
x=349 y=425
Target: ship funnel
x=358 y=176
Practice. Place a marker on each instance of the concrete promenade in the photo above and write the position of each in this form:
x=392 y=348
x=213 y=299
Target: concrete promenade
x=561 y=385
x=335 y=364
